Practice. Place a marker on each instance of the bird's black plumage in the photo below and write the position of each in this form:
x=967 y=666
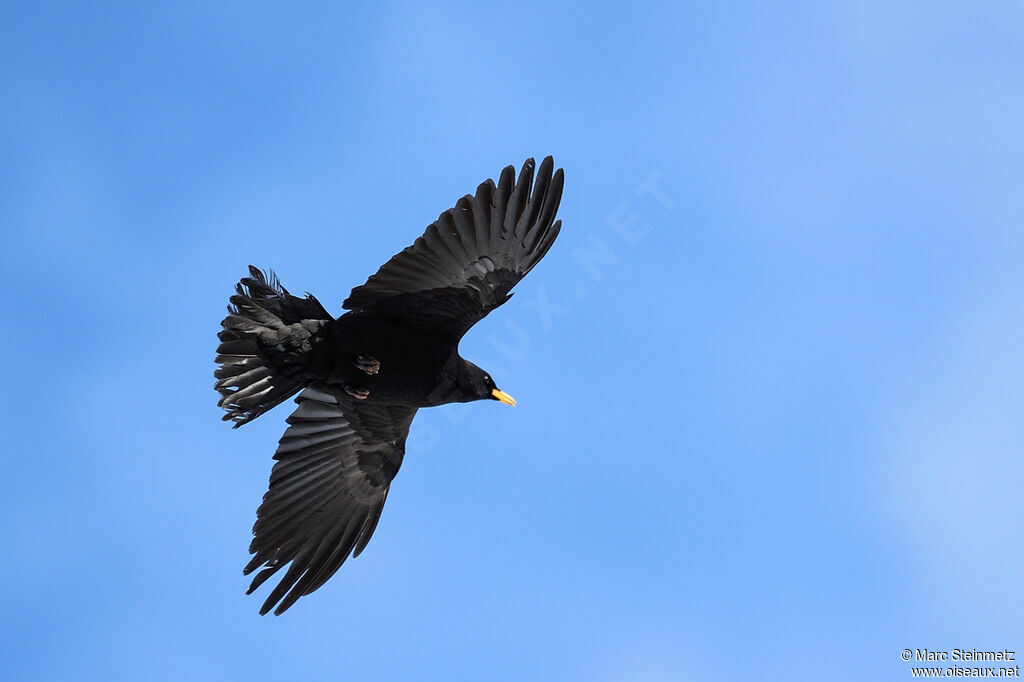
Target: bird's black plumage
x=367 y=372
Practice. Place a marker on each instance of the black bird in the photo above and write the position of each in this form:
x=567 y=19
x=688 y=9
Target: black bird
x=366 y=372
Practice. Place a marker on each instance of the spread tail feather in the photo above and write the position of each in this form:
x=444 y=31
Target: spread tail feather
x=266 y=345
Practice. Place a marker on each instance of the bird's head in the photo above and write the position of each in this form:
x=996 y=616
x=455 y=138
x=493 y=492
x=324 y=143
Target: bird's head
x=476 y=384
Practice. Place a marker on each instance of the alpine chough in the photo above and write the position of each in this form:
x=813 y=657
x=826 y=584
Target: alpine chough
x=364 y=375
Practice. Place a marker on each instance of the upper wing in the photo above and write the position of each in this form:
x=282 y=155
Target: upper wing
x=335 y=463
x=467 y=261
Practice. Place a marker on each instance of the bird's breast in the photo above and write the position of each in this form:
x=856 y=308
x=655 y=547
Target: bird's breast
x=408 y=360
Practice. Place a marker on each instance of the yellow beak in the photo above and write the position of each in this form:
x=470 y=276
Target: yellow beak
x=504 y=397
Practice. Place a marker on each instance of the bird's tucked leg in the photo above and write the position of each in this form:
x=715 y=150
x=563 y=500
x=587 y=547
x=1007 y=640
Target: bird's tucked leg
x=357 y=392
x=368 y=364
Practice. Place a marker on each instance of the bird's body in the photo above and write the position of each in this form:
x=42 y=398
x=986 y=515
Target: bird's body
x=418 y=367
x=411 y=360
x=367 y=372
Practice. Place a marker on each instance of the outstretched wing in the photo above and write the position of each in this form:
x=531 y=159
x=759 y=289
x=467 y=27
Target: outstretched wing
x=335 y=463
x=467 y=261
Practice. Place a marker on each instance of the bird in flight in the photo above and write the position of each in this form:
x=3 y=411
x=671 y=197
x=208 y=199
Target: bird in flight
x=364 y=375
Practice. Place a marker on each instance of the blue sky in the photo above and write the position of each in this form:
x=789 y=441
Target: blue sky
x=773 y=433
